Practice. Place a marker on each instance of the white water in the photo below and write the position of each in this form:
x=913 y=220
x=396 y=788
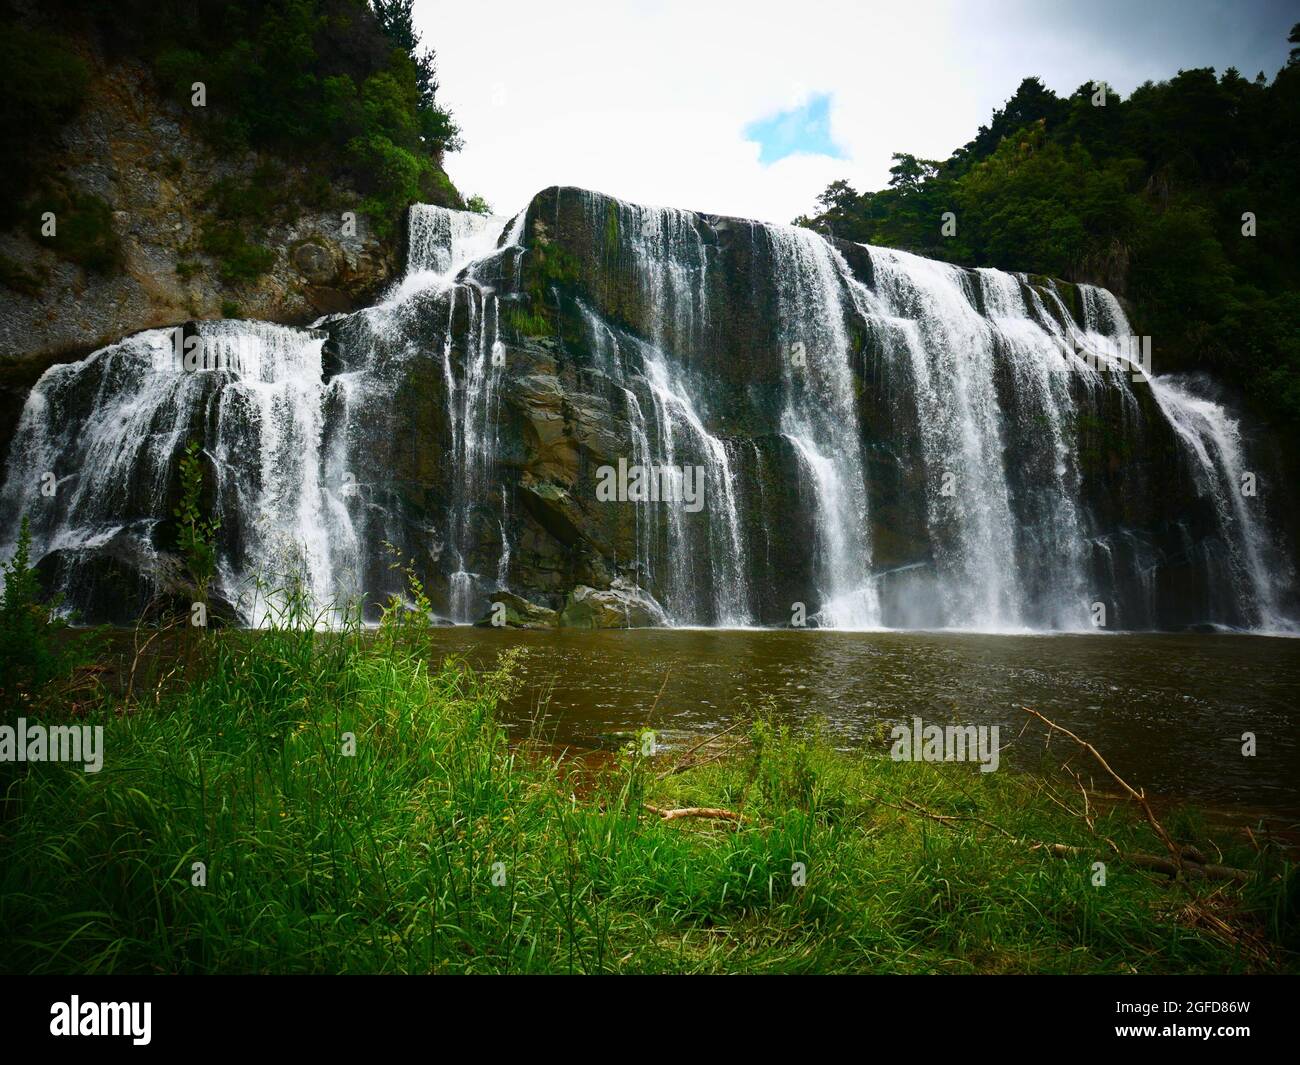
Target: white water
x=1212 y=437
x=820 y=419
x=671 y=266
x=987 y=407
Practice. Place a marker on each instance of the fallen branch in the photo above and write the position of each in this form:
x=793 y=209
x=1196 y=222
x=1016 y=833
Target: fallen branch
x=1193 y=869
x=694 y=811
x=943 y=819
x=683 y=763
x=1138 y=796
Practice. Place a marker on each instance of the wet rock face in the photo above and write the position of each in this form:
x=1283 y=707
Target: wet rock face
x=603 y=415
x=1101 y=500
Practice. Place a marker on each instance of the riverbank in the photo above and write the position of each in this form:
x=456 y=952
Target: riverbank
x=1169 y=710
x=299 y=803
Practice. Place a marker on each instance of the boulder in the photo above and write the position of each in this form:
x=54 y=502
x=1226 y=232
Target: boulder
x=519 y=613
x=621 y=606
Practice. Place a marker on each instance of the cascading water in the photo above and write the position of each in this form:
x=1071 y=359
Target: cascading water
x=931 y=327
x=888 y=440
x=253 y=389
x=1253 y=571
x=444 y=246
x=819 y=417
x=670 y=265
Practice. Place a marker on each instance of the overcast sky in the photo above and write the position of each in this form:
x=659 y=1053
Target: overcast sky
x=752 y=108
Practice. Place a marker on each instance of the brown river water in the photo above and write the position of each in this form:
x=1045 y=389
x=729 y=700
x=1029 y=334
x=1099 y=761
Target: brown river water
x=1167 y=711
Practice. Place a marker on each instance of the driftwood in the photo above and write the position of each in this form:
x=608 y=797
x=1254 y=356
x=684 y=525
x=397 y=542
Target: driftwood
x=943 y=819
x=1196 y=870
x=687 y=761
x=694 y=811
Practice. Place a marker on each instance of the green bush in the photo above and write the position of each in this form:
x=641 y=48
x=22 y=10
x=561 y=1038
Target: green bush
x=42 y=85
x=238 y=260
x=177 y=69
x=34 y=650
x=83 y=228
x=344 y=87
x=17 y=277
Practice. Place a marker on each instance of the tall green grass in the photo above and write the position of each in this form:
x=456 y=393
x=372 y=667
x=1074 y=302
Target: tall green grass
x=440 y=846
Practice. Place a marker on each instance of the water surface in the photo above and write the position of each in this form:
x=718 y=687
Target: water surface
x=1167 y=711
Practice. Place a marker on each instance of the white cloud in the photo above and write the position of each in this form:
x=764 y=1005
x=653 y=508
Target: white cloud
x=648 y=101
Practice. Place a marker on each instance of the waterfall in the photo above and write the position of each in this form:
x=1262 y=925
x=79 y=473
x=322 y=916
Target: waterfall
x=819 y=417
x=669 y=263
x=258 y=386
x=442 y=241
x=444 y=246
x=893 y=441
x=949 y=349
x=1213 y=450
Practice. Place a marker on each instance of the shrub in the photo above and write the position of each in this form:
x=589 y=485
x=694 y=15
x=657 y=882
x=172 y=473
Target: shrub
x=32 y=653
x=197 y=533
x=42 y=84
x=83 y=231
x=238 y=260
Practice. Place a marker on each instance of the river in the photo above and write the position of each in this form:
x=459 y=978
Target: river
x=1168 y=711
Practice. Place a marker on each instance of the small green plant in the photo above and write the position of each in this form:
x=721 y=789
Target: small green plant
x=197 y=534
x=238 y=260
x=30 y=652
x=17 y=277
x=405 y=620
x=83 y=231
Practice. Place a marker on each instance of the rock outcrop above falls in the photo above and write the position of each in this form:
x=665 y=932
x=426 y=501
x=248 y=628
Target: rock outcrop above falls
x=601 y=414
x=163 y=192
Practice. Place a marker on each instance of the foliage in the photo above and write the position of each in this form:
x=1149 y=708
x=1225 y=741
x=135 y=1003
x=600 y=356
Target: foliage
x=33 y=647
x=549 y=267
x=341 y=86
x=239 y=261
x=42 y=85
x=83 y=227
x=18 y=277
x=357 y=808
x=196 y=532
x=1144 y=195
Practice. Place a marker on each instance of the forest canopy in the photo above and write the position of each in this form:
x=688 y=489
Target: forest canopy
x=345 y=84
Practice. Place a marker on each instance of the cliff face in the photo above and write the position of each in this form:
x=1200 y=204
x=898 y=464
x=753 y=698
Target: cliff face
x=859 y=438
x=142 y=156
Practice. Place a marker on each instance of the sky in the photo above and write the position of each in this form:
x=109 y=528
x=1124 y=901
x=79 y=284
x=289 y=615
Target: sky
x=752 y=108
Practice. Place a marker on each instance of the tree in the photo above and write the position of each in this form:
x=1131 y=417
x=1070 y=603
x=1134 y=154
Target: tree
x=909 y=173
x=397 y=20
